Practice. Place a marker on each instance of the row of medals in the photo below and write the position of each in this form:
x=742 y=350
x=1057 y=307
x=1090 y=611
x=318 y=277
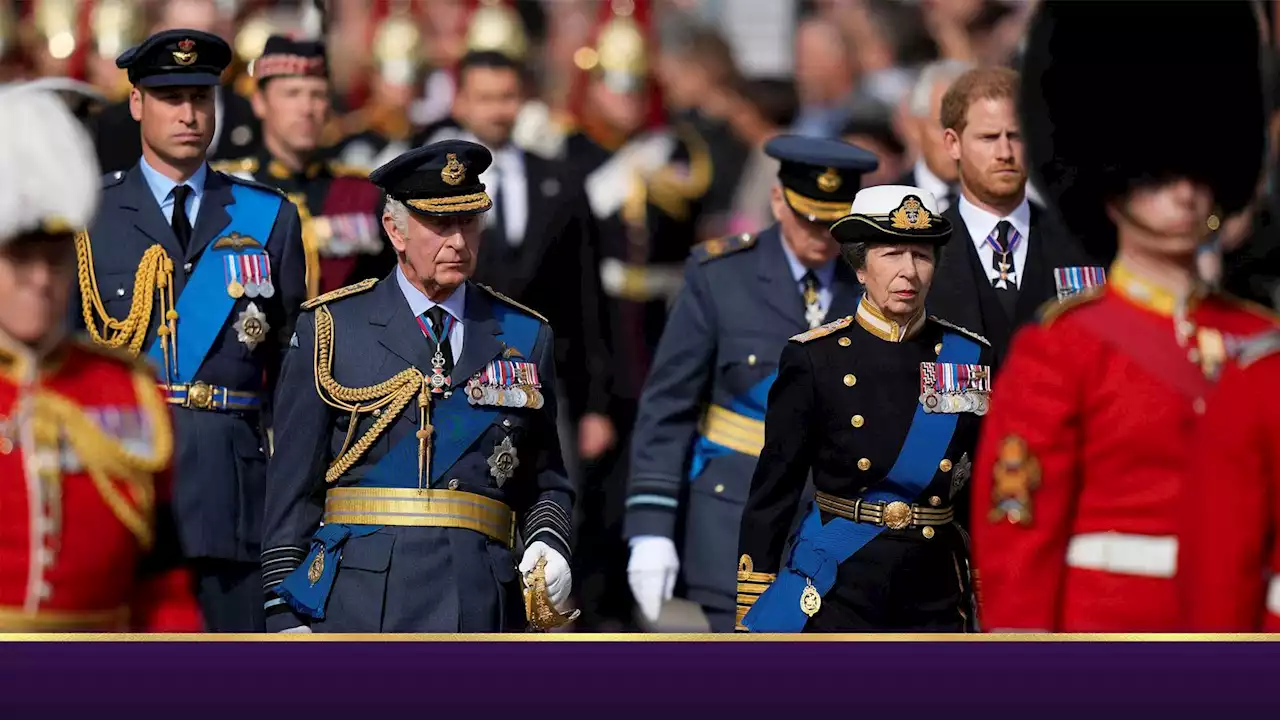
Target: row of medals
x=520 y=396
x=251 y=289
x=975 y=402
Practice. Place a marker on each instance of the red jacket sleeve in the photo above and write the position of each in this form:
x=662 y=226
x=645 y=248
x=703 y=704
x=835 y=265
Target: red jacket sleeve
x=1026 y=480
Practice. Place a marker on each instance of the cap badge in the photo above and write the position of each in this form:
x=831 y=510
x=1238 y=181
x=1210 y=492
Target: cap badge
x=186 y=52
x=911 y=215
x=829 y=181
x=453 y=171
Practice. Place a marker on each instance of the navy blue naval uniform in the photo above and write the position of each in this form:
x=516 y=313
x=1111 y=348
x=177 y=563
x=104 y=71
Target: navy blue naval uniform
x=219 y=355
x=416 y=438
x=701 y=416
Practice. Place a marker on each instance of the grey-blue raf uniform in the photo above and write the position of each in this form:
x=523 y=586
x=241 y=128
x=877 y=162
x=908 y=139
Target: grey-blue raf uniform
x=217 y=350
x=398 y=513
x=701 y=414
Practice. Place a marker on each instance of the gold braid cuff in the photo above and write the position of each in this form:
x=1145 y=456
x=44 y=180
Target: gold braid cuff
x=391 y=396
x=154 y=278
x=751 y=585
x=103 y=457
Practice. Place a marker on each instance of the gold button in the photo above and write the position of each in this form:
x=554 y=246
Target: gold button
x=864 y=464
x=453 y=484
x=850 y=380
x=945 y=465
x=844 y=342
x=927 y=532
x=857 y=421
x=751 y=359
x=935 y=501
x=720 y=488
x=937 y=349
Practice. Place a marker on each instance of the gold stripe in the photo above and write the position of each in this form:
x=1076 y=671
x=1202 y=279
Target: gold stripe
x=457 y=203
x=873 y=513
x=14 y=619
x=828 y=210
x=402 y=507
x=750 y=587
x=874 y=322
x=734 y=431
x=217 y=390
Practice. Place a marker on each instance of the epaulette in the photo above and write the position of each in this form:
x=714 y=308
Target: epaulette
x=340 y=293
x=1252 y=307
x=256 y=185
x=1051 y=310
x=513 y=303
x=340 y=169
x=967 y=333
x=823 y=330
x=719 y=247
x=112 y=179
x=1258 y=347
x=230 y=167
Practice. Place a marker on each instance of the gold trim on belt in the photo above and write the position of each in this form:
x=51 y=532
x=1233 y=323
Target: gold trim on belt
x=410 y=507
x=737 y=432
x=13 y=619
x=896 y=515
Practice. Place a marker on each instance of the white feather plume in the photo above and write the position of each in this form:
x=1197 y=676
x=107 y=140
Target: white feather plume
x=48 y=166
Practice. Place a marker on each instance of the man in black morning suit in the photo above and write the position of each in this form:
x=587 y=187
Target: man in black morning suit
x=1006 y=257
x=204 y=273
x=416 y=434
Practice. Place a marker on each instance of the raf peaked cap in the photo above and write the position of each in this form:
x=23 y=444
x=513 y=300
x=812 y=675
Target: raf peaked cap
x=283 y=57
x=819 y=176
x=893 y=214
x=1118 y=94
x=176 y=58
x=442 y=178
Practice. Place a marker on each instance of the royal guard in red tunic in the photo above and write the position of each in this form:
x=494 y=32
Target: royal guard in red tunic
x=1229 y=561
x=1091 y=436
x=85 y=438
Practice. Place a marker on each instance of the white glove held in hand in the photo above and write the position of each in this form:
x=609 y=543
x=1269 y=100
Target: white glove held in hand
x=652 y=573
x=559 y=578
x=300 y=630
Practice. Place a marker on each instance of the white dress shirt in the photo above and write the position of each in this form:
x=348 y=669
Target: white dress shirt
x=932 y=184
x=982 y=224
x=506 y=177
x=455 y=305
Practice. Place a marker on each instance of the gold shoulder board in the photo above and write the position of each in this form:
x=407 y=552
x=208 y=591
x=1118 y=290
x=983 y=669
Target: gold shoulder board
x=338 y=169
x=823 y=330
x=340 y=293
x=719 y=247
x=513 y=303
x=245 y=165
x=963 y=331
x=1054 y=309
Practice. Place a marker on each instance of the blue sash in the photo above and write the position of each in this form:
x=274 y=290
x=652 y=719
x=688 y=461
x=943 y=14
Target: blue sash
x=458 y=424
x=819 y=549
x=750 y=404
x=204 y=306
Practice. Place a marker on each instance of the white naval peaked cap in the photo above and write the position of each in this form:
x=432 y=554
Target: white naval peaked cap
x=884 y=199
x=48 y=163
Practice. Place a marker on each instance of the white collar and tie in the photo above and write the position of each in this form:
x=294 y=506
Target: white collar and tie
x=455 y=305
x=984 y=227
x=507 y=183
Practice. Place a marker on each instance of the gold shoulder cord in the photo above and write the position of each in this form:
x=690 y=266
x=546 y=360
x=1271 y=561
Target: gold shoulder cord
x=310 y=248
x=392 y=396
x=154 y=277
x=104 y=457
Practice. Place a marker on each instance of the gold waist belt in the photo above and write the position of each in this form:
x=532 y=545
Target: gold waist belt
x=734 y=431
x=410 y=507
x=17 y=620
x=895 y=515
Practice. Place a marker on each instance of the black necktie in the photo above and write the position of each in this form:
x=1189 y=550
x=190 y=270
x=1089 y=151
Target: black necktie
x=437 y=316
x=499 y=201
x=181 y=225
x=1005 y=282
x=812 y=300
x=948 y=199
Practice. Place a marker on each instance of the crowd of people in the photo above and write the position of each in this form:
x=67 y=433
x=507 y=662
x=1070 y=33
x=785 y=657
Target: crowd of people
x=491 y=316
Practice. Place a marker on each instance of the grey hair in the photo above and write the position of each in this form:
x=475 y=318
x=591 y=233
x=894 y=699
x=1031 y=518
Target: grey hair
x=941 y=71
x=399 y=213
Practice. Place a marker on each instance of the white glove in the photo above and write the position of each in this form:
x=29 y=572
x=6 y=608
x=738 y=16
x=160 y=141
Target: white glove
x=559 y=578
x=652 y=573
x=300 y=630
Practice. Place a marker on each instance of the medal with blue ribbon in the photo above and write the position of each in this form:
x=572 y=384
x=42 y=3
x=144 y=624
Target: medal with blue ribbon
x=439 y=381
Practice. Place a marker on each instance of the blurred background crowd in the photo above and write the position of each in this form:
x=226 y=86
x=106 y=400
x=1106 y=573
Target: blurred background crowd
x=730 y=74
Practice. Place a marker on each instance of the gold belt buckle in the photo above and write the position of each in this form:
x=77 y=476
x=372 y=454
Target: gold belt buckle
x=200 y=396
x=896 y=515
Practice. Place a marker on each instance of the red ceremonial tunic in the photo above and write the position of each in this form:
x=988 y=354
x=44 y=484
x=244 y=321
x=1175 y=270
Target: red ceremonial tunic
x=85 y=451
x=1229 y=558
x=1082 y=457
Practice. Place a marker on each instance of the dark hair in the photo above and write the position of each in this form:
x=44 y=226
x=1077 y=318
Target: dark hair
x=774 y=99
x=491 y=59
x=877 y=129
